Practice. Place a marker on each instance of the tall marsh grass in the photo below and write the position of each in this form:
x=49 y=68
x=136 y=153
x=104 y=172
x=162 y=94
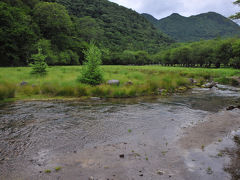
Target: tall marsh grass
x=7 y=90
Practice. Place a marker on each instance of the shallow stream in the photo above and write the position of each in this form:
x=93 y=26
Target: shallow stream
x=185 y=136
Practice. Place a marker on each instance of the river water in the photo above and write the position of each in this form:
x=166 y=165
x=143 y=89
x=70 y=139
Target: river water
x=187 y=136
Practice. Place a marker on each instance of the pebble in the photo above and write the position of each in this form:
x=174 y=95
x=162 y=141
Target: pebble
x=159 y=172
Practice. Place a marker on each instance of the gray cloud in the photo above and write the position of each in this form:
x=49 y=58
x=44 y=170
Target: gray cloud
x=163 y=8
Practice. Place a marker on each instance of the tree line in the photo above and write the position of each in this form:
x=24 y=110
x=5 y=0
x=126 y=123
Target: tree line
x=207 y=53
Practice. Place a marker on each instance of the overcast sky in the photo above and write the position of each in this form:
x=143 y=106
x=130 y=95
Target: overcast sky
x=163 y=8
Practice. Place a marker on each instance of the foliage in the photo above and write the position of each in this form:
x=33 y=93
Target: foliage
x=235 y=60
x=52 y=19
x=47 y=50
x=88 y=29
x=121 y=28
x=194 y=28
x=91 y=72
x=39 y=65
x=16 y=35
x=63 y=30
x=209 y=53
x=237 y=15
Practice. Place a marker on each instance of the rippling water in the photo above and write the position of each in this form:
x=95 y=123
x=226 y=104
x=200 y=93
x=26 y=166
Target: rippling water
x=28 y=128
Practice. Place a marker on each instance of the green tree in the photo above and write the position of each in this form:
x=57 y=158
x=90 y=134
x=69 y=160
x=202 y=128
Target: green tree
x=16 y=36
x=39 y=65
x=91 y=72
x=47 y=50
x=223 y=53
x=235 y=61
x=237 y=15
x=53 y=19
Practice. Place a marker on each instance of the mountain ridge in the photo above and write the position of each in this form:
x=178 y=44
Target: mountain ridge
x=196 y=27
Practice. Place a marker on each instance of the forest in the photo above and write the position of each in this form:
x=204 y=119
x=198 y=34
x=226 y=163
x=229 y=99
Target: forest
x=123 y=36
x=64 y=33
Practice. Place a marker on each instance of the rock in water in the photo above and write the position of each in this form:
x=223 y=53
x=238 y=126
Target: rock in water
x=113 y=82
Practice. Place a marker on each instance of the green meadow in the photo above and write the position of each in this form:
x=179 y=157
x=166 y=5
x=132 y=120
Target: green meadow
x=62 y=81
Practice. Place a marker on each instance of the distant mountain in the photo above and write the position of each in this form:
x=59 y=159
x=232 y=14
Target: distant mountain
x=203 y=26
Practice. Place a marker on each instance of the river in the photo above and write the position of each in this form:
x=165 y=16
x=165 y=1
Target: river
x=185 y=136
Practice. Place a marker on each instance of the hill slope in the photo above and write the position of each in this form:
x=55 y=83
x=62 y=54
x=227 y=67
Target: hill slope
x=63 y=29
x=203 y=26
x=122 y=28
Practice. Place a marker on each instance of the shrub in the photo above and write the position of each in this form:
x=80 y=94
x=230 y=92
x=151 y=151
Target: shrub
x=91 y=72
x=39 y=66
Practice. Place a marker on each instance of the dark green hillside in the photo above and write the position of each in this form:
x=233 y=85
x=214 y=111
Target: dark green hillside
x=64 y=28
x=122 y=28
x=204 y=26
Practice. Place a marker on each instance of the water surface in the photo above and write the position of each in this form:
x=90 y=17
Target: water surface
x=85 y=138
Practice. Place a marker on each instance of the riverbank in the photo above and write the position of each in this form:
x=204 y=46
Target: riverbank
x=61 y=82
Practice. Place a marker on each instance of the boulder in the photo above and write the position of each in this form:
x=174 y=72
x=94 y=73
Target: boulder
x=113 y=82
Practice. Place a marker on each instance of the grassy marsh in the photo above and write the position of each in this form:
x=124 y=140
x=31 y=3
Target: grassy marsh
x=61 y=81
